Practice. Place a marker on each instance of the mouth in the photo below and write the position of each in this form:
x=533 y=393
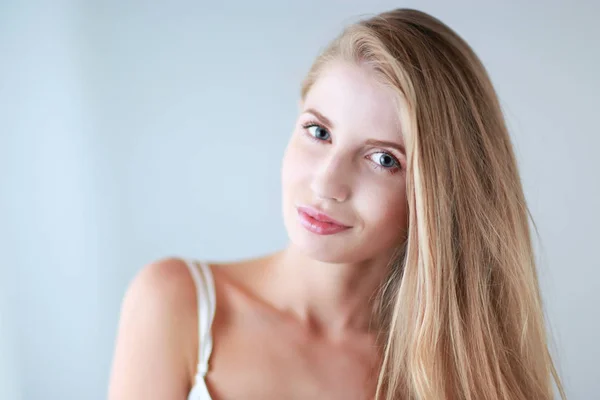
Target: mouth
x=320 y=216
x=318 y=222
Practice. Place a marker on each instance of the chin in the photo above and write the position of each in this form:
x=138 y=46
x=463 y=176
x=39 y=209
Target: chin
x=326 y=255
x=339 y=248
x=323 y=248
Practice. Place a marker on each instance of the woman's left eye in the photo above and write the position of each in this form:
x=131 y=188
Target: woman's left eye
x=385 y=160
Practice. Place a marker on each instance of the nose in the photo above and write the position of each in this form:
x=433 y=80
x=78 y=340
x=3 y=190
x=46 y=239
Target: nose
x=331 y=179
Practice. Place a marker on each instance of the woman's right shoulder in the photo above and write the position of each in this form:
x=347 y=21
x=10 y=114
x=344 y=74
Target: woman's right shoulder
x=168 y=280
x=163 y=290
x=156 y=338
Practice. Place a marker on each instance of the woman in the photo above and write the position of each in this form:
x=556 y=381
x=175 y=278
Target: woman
x=409 y=273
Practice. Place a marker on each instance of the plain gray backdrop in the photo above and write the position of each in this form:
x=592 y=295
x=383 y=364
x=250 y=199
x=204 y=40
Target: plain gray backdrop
x=131 y=131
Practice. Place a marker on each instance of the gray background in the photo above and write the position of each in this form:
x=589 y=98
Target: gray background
x=132 y=131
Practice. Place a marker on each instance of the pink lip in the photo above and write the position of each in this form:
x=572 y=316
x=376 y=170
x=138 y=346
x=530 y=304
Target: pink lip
x=318 y=222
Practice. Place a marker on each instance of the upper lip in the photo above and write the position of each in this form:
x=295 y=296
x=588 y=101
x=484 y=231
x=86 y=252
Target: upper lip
x=320 y=215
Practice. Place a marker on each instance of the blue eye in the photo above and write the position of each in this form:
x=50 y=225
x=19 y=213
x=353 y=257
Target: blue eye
x=318 y=132
x=385 y=160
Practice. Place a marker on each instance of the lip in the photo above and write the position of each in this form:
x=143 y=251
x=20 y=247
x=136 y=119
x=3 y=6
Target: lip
x=318 y=222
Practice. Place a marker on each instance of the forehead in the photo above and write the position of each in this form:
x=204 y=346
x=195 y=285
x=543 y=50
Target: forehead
x=352 y=98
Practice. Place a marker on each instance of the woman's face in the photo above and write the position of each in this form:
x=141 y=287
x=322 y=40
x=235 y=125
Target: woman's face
x=346 y=159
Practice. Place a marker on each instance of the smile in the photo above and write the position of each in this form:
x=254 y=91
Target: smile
x=319 y=223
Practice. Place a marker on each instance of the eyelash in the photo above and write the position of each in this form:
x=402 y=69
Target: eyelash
x=310 y=124
x=390 y=171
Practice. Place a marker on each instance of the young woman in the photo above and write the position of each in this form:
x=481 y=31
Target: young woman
x=410 y=272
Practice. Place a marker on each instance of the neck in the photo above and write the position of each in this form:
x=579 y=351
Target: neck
x=331 y=299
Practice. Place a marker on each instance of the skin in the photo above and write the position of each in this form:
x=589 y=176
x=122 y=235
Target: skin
x=293 y=324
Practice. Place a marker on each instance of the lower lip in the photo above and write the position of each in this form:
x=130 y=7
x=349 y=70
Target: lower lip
x=319 y=227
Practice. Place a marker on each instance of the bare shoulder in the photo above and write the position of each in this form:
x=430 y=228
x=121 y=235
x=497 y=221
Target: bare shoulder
x=167 y=282
x=155 y=353
x=162 y=290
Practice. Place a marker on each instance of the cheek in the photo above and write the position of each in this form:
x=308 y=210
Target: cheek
x=294 y=164
x=384 y=211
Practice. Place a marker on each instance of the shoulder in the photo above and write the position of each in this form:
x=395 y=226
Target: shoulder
x=156 y=338
x=162 y=292
x=162 y=297
x=167 y=282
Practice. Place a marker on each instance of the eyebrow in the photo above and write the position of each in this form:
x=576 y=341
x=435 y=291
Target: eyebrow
x=383 y=143
x=370 y=142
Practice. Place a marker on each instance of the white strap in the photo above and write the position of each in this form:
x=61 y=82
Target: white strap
x=205 y=294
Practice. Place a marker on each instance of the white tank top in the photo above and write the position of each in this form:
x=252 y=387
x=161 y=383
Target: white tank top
x=205 y=293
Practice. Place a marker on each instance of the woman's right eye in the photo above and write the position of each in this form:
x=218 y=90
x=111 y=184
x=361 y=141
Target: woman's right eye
x=317 y=132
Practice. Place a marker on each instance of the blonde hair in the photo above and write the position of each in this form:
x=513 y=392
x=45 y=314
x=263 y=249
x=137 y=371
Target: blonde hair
x=464 y=319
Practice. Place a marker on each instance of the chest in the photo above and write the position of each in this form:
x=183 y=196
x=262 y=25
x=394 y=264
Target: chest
x=255 y=363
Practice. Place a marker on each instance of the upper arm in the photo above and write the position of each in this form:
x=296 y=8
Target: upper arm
x=155 y=350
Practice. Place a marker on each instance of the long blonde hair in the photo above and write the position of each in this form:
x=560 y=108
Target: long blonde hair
x=464 y=319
